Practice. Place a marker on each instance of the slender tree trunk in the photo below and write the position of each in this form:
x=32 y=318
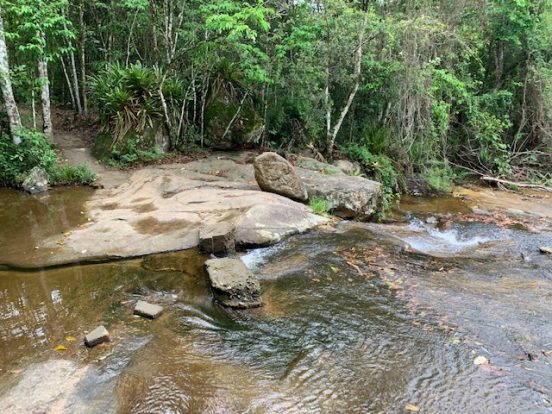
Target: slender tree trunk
x=7 y=91
x=358 y=66
x=33 y=106
x=45 y=99
x=327 y=103
x=327 y=100
x=75 y=81
x=69 y=84
x=499 y=65
x=129 y=40
x=83 y=57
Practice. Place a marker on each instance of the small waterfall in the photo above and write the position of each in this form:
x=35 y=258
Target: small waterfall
x=429 y=238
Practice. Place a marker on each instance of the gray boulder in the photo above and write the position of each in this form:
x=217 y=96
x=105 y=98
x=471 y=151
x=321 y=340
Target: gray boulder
x=36 y=182
x=347 y=167
x=276 y=175
x=349 y=196
x=96 y=337
x=318 y=166
x=233 y=284
x=217 y=238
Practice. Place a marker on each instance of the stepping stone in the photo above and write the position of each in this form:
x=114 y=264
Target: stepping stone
x=217 y=238
x=147 y=310
x=96 y=337
x=233 y=284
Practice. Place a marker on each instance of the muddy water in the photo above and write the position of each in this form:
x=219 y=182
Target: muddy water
x=26 y=220
x=366 y=319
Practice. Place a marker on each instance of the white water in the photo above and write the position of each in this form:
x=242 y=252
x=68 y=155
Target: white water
x=431 y=239
x=256 y=257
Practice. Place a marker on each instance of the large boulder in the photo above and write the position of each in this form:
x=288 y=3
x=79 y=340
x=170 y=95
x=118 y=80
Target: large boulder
x=347 y=167
x=349 y=197
x=233 y=284
x=36 y=182
x=276 y=175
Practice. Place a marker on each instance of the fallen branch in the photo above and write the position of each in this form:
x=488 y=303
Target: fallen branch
x=521 y=185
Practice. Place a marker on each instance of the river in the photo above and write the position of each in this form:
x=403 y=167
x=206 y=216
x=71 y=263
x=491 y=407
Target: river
x=359 y=318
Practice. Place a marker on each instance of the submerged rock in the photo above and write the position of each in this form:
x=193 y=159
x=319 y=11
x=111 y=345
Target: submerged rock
x=147 y=310
x=233 y=284
x=545 y=249
x=481 y=360
x=96 y=337
x=349 y=197
x=36 y=182
x=217 y=238
x=276 y=175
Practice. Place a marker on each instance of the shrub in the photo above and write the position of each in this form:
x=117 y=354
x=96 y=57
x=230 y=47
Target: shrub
x=129 y=153
x=17 y=160
x=129 y=101
x=378 y=166
x=71 y=174
x=320 y=205
x=35 y=151
x=439 y=179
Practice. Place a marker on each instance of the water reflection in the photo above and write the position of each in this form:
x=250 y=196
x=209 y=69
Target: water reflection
x=26 y=221
x=353 y=323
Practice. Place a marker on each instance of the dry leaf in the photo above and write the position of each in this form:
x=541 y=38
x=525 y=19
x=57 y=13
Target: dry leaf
x=70 y=338
x=61 y=348
x=412 y=407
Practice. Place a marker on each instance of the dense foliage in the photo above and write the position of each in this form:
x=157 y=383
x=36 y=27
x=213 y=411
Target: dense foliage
x=406 y=88
x=35 y=150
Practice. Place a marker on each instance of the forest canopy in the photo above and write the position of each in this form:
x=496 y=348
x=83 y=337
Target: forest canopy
x=417 y=87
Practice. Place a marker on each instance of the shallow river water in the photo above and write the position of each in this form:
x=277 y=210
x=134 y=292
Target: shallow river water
x=365 y=318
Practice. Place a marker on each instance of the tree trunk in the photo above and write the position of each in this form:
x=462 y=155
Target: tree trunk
x=7 y=91
x=75 y=81
x=45 y=99
x=358 y=66
x=83 y=57
x=69 y=84
x=499 y=65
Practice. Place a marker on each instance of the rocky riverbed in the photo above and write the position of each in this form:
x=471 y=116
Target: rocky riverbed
x=443 y=307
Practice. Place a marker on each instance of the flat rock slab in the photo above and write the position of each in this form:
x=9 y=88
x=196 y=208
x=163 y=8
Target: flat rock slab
x=217 y=238
x=233 y=284
x=96 y=337
x=147 y=310
x=163 y=209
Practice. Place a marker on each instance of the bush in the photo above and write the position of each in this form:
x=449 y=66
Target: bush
x=439 y=179
x=125 y=154
x=35 y=151
x=378 y=166
x=71 y=174
x=320 y=205
x=17 y=160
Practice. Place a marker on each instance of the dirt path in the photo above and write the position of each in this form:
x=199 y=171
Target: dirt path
x=76 y=152
x=75 y=145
